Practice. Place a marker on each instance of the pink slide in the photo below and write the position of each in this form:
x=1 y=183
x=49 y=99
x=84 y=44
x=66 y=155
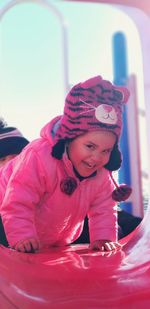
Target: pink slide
x=74 y=277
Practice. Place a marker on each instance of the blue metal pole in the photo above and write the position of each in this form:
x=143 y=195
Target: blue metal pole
x=120 y=78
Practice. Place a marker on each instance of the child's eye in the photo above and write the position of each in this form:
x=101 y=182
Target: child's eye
x=90 y=146
x=106 y=151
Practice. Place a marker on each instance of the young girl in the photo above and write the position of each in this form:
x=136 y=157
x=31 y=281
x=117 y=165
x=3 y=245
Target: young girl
x=65 y=175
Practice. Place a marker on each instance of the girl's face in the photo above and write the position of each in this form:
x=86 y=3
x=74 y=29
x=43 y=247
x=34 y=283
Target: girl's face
x=91 y=151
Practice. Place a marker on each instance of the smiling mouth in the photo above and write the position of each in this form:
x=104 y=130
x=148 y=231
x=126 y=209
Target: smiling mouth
x=89 y=166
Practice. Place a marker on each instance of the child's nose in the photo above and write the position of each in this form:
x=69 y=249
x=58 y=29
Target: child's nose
x=96 y=156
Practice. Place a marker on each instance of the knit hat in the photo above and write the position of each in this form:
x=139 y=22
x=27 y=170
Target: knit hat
x=95 y=104
x=11 y=140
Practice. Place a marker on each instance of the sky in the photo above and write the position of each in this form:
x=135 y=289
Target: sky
x=32 y=66
x=32 y=58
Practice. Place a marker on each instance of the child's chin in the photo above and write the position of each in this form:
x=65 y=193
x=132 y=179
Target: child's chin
x=86 y=173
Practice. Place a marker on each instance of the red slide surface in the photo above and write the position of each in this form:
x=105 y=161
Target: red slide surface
x=74 y=277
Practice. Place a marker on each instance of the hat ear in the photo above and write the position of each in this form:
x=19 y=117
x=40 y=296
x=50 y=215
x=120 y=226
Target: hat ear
x=115 y=160
x=125 y=93
x=91 y=82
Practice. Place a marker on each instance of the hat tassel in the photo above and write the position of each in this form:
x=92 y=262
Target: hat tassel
x=122 y=192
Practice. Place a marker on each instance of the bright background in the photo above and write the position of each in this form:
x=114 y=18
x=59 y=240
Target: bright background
x=31 y=56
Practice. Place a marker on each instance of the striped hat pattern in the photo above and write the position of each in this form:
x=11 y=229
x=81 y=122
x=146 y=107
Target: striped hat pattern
x=95 y=104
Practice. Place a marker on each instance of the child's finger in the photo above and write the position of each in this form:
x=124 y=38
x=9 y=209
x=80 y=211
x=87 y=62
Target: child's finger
x=20 y=247
x=108 y=246
x=34 y=244
x=29 y=246
x=112 y=246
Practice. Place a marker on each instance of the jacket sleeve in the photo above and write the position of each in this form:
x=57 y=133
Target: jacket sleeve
x=23 y=193
x=103 y=213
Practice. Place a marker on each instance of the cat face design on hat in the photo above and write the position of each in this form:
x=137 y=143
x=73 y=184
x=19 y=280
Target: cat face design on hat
x=104 y=113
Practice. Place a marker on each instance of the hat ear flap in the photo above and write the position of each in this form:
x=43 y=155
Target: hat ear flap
x=58 y=149
x=115 y=160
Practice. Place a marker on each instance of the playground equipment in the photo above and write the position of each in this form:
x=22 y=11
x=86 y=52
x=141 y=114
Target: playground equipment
x=74 y=276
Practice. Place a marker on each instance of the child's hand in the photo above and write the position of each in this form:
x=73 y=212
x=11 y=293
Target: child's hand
x=105 y=245
x=30 y=245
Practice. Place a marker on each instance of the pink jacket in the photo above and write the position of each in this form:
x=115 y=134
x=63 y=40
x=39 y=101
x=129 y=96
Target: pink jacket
x=34 y=206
